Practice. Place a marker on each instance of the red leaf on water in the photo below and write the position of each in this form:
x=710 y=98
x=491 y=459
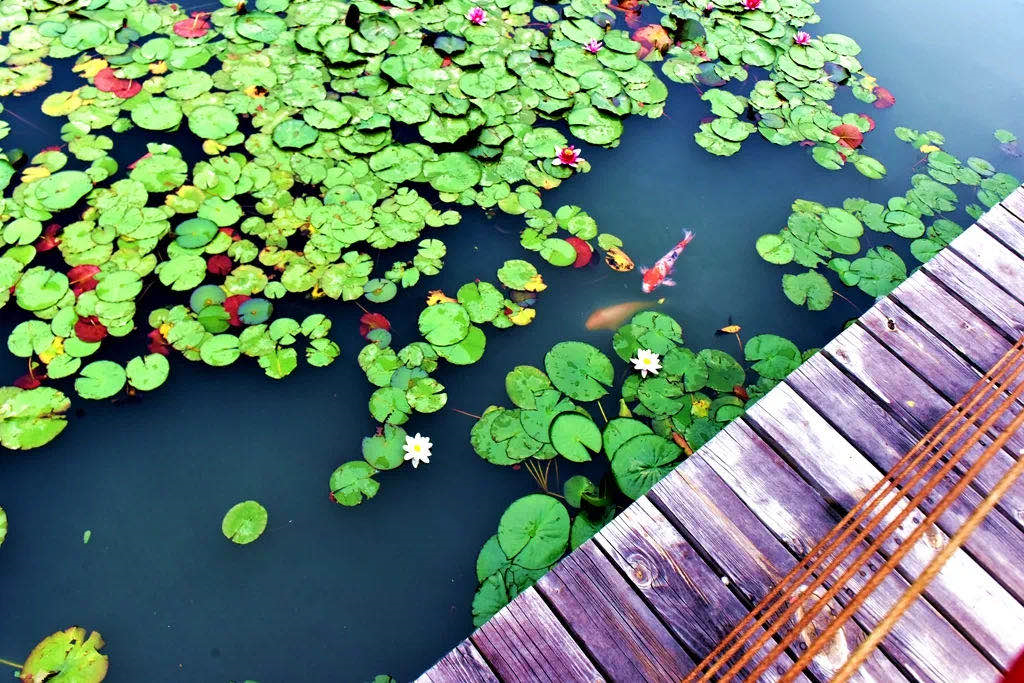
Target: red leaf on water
x=196 y=27
x=231 y=305
x=107 y=81
x=373 y=321
x=584 y=252
x=849 y=135
x=90 y=329
x=885 y=99
x=29 y=381
x=807 y=143
x=871 y=121
x=651 y=37
x=157 y=343
x=82 y=280
x=49 y=239
x=219 y=264
x=230 y=232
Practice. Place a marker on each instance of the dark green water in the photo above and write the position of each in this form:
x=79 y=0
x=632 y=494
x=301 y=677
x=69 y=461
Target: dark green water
x=339 y=594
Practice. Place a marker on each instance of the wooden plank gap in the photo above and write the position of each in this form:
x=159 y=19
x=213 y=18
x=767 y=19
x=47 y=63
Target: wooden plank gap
x=1006 y=228
x=975 y=291
x=1000 y=265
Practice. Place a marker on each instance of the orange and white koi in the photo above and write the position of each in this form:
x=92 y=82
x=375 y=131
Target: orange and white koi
x=658 y=275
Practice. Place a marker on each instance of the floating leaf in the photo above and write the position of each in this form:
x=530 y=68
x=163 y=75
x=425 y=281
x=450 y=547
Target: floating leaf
x=534 y=531
x=100 y=379
x=67 y=655
x=575 y=436
x=148 y=372
x=30 y=418
x=810 y=289
x=244 y=522
x=353 y=481
x=579 y=370
x=642 y=461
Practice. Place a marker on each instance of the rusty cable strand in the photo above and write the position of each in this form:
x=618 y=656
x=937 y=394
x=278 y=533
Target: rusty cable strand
x=868 y=645
x=907 y=544
x=882 y=489
x=880 y=539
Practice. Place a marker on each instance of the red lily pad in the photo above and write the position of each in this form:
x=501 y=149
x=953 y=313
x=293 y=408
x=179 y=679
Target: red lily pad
x=584 y=252
x=49 y=239
x=219 y=264
x=157 y=343
x=90 y=329
x=884 y=98
x=29 y=381
x=849 y=135
x=107 y=81
x=651 y=37
x=81 y=278
x=231 y=305
x=196 y=27
x=373 y=321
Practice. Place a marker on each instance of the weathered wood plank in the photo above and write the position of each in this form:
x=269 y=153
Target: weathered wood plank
x=996 y=543
x=994 y=304
x=688 y=596
x=1015 y=202
x=930 y=357
x=971 y=334
x=612 y=622
x=992 y=258
x=464 y=664
x=696 y=499
x=1005 y=227
x=912 y=401
x=526 y=642
x=927 y=645
x=967 y=594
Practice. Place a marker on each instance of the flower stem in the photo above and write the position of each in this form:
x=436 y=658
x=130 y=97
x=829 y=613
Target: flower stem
x=846 y=300
x=601 y=408
x=463 y=412
x=10 y=663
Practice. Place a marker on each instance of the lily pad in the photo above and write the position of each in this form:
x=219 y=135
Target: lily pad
x=67 y=655
x=575 y=436
x=579 y=370
x=444 y=324
x=534 y=531
x=642 y=461
x=244 y=522
x=352 y=482
x=100 y=379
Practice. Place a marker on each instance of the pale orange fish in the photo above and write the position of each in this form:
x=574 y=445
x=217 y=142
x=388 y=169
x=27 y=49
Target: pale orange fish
x=612 y=317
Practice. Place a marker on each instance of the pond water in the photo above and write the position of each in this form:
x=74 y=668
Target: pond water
x=331 y=593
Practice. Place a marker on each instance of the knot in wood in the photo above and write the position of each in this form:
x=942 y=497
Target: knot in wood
x=643 y=571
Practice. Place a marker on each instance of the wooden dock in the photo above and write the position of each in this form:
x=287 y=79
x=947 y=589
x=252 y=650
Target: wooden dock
x=655 y=591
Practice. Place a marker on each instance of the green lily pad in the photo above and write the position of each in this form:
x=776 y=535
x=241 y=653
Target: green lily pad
x=100 y=379
x=67 y=655
x=195 y=233
x=146 y=373
x=244 y=522
x=30 y=418
x=575 y=436
x=579 y=370
x=212 y=121
x=810 y=289
x=444 y=324
x=642 y=461
x=385 y=451
x=353 y=482
x=534 y=531
x=523 y=384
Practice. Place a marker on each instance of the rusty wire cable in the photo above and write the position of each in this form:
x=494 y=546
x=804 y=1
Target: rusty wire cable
x=889 y=488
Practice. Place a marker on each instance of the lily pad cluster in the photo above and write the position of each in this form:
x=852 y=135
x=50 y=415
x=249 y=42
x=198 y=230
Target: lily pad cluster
x=794 y=81
x=662 y=418
x=820 y=237
x=452 y=330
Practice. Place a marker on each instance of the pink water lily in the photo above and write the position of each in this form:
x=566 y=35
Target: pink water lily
x=477 y=15
x=567 y=156
x=751 y=4
x=802 y=38
x=594 y=46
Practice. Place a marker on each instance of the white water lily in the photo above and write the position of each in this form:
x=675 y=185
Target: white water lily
x=417 y=448
x=646 y=361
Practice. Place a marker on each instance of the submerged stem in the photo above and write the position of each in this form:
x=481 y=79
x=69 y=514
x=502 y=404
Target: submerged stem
x=846 y=300
x=601 y=408
x=463 y=412
x=10 y=663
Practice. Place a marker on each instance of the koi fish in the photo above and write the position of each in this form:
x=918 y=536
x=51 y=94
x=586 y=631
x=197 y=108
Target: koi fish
x=612 y=317
x=658 y=275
